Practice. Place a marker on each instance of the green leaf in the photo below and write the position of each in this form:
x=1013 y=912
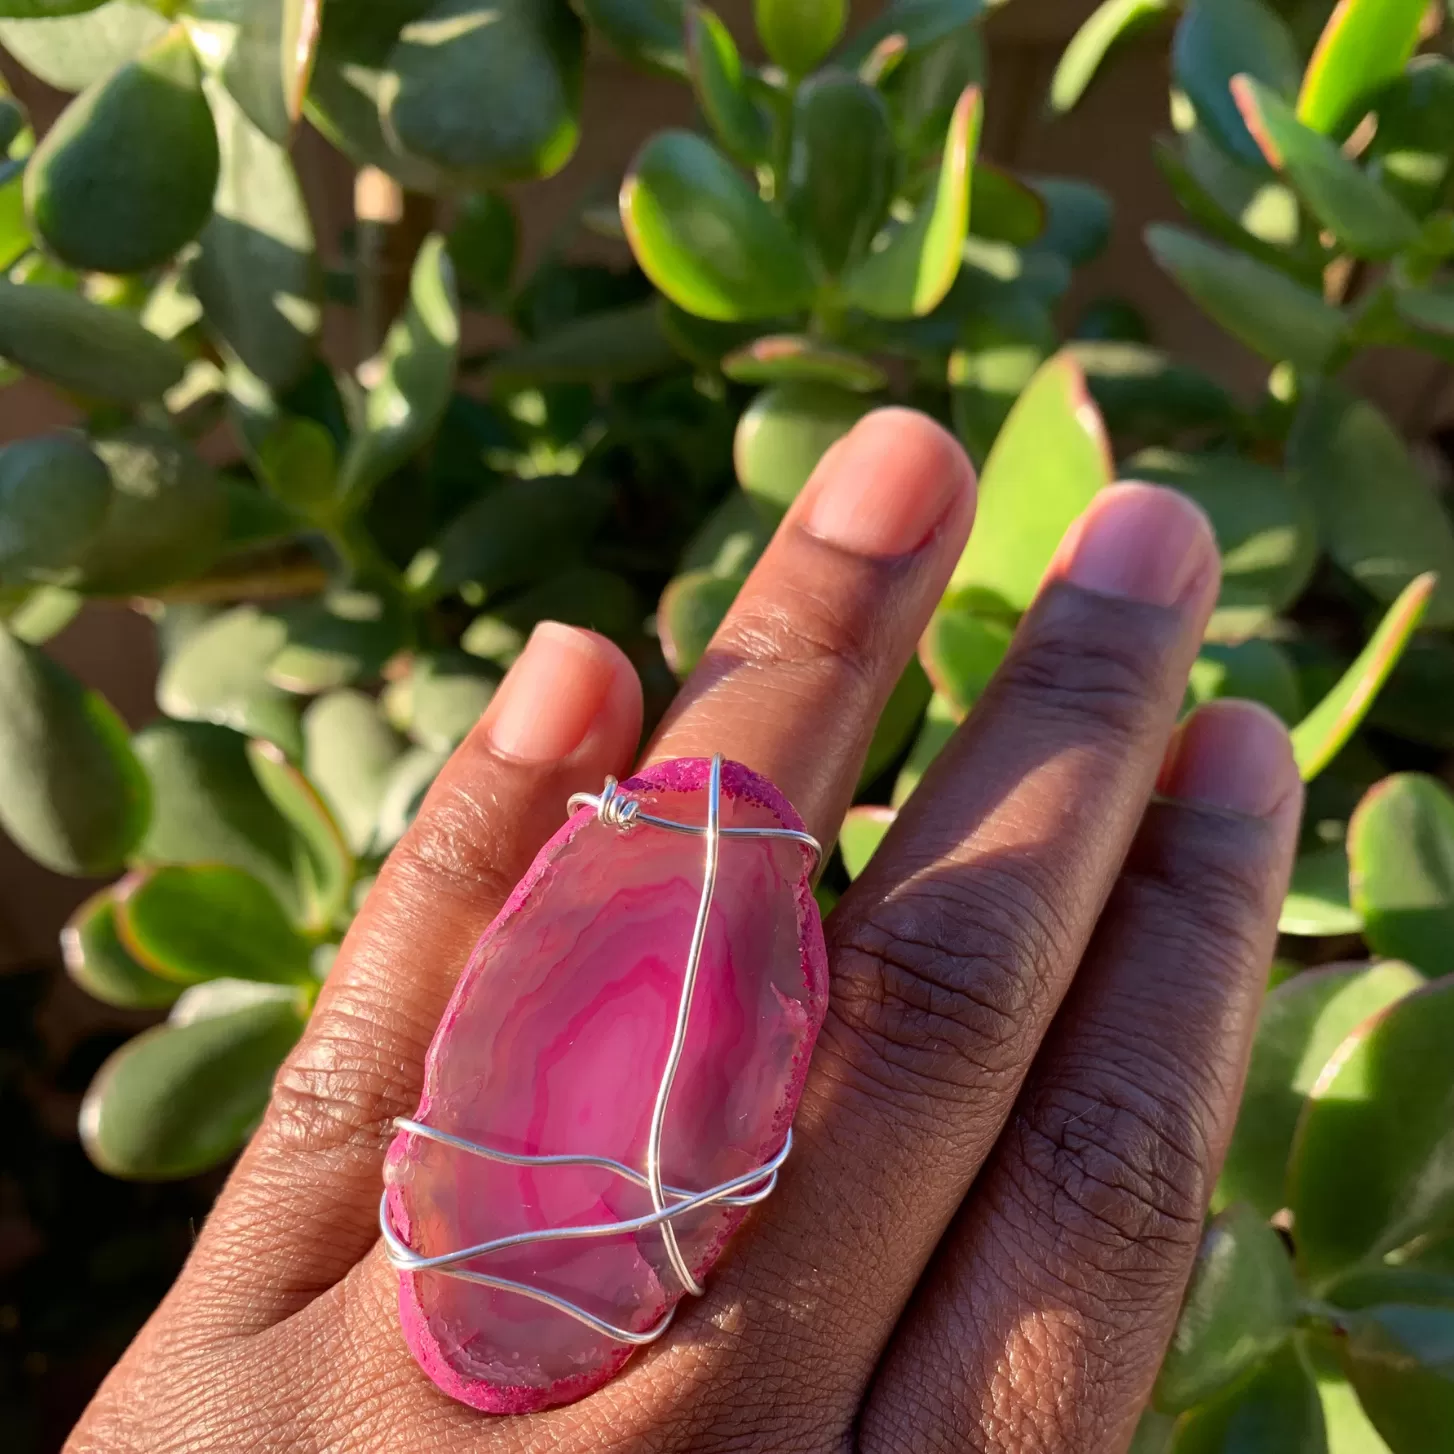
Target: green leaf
x=692 y=608
x=33 y=9
x=941 y=718
x=349 y=752
x=1317 y=903
x=448 y=693
x=910 y=274
x=72 y=794
x=1001 y=345
x=706 y=239
x=1249 y=208
x=416 y=370
x=1363 y=46
x=1109 y=25
x=578 y=596
x=207 y=807
x=1383 y=538
x=256 y=273
x=262 y=51
x=920 y=22
x=219 y=674
x=1302 y=1022
x=960 y=652
x=648 y=32
x=343 y=636
x=1218 y=39
x=616 y=346
x=125 y=177
x=1414 y=701
x=180 y=1098
x=787 y=358
x=167 y=517
x=54 y=493
x=1317 y=739
x=1400 y=1358
x=516 y=533
x=721 y=88
x=80 y=345
x=193 y=922
x=1255 y=670
x=840 y=171
x=483 y=244
x=923 y=84
x=1344 y=198
x=1430 y=308
x=1003 y=208
x=1401 y=859
x=1409 y=153
x=1349 y=1431
x=351 y=82
x=1077 y=218
x=71 y=52
x=1141 y=391
x=897 y=723
x=41 y=613
x=1371 y=1162
x=487 y=91
x=783 y=434
x=729 y=541
x=1255 y=303
x=99 y=963
x=15 y=235
x=297 y=460
x=1050 y=459
x=1274 y=1411
x=1241 y=1306
x=325 y=865
x=798 y=34
x=410 y=780
x=862 y=832
x=1265 y=531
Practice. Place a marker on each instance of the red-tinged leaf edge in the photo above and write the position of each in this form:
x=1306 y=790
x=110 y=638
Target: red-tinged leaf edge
x=1241 y=88
x=1315 y=747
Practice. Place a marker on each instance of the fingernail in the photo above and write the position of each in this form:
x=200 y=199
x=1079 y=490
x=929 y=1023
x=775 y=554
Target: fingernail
x=549 y=698
x=884 y=487
x=1140 y=542
x=1232 y=755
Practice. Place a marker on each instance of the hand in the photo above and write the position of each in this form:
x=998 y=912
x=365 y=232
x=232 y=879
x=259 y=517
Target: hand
x=1043 y=990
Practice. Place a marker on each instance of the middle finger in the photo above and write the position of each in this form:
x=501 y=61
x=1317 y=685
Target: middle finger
x=951 y=954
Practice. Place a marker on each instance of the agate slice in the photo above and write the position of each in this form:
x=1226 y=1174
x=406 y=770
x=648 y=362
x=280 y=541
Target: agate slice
x=555 y=1042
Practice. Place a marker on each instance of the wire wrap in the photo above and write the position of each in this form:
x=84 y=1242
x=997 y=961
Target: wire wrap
x=618 y=810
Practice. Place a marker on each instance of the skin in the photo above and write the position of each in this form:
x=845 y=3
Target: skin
x=1043 y=991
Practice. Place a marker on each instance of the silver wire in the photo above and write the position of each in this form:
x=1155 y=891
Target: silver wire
x=620 y=811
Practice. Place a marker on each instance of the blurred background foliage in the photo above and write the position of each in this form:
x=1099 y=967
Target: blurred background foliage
x=343 y=535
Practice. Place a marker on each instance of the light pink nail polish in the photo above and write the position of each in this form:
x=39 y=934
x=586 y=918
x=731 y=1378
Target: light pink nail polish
x=549 y=698
x=884 y=488
x=1140 y=542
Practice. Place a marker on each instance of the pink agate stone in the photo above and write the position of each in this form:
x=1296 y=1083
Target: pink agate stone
x=554 y=1042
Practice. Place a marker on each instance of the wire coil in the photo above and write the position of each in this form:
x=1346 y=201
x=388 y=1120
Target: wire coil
x=619 y=810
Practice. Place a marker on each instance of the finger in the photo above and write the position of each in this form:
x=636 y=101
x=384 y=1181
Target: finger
x=796 y=675
x=302 y=1205
x=795 y=678
x=1045 y=1314
x=952 y=952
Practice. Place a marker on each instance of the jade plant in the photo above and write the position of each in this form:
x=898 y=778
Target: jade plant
x=338 y=587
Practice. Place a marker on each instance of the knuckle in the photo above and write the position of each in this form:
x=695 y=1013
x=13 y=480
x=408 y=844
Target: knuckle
x=796 y=629
x=1210 y=876
x=936 y=987
x=1120 y=1170
x=336 y=1089
x=1071 y=671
